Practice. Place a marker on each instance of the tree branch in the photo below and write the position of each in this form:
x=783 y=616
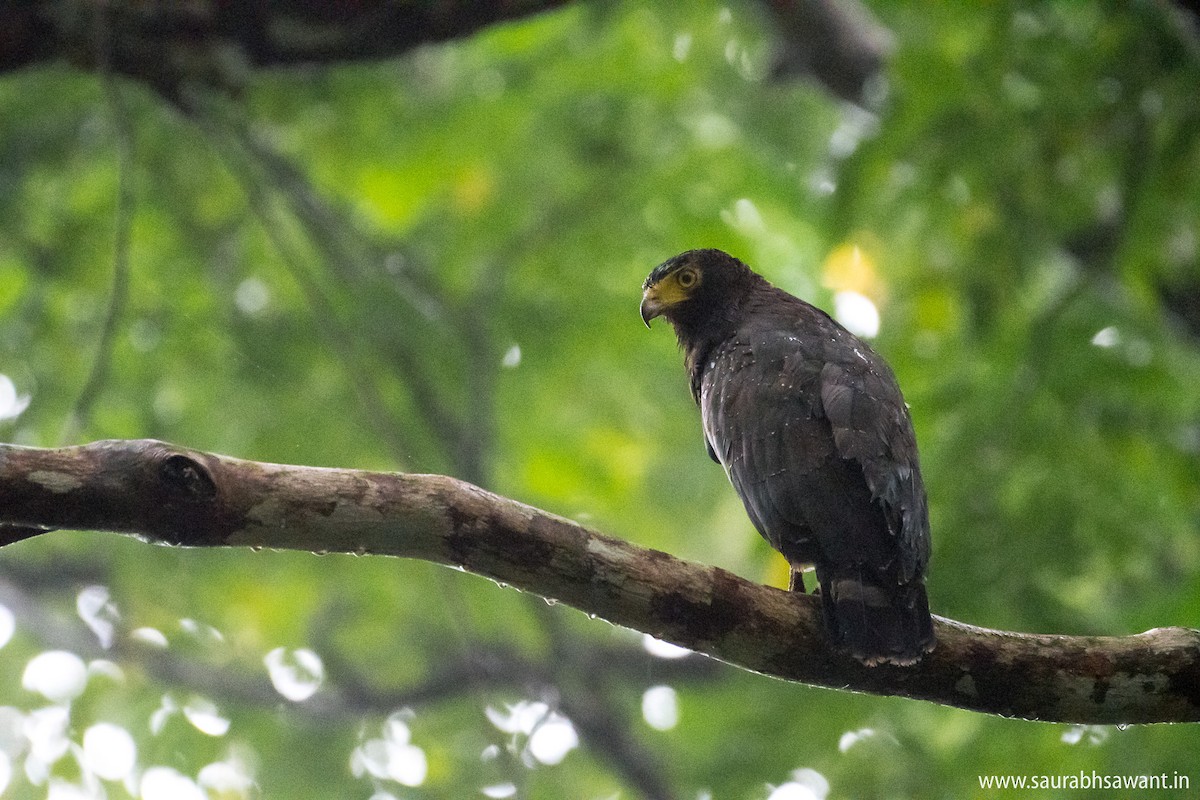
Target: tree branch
x=172 y=495
x=838 y=42
x=220 y=44
x=170 y=45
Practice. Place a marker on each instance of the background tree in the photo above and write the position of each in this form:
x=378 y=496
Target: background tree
x=432 y=264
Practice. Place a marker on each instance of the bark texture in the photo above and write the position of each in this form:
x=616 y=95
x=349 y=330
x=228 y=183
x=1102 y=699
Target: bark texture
x=173 y=495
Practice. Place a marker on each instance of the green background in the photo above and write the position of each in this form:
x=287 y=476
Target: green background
x=433 y=264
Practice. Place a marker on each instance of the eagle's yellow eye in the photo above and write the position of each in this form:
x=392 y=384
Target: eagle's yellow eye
x=687 y=278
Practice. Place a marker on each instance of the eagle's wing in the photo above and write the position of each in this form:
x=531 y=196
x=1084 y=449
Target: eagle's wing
x=871 y=429
x=816 y=440
x=763 y=416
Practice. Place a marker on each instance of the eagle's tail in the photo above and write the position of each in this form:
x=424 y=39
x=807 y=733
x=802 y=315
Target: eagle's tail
x=874 y=618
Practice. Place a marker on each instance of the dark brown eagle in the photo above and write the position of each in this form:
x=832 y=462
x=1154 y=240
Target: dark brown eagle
x=813 y=432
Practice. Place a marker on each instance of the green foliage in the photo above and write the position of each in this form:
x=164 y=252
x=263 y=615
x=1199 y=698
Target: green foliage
x=434 y=265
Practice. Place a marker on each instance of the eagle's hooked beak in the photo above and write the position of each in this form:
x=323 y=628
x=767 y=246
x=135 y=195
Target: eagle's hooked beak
x=651 y=306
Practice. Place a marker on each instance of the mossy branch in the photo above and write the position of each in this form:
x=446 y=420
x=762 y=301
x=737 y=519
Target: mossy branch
x=167 y=494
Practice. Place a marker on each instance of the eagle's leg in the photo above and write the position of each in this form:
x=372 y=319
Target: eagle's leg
x=796 y=580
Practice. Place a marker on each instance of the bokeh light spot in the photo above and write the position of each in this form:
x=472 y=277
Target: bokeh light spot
x=57 y=675
x=109 y=751
x=660 y=708
x=295 y=674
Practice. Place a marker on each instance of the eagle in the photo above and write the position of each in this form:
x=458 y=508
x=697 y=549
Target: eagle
x=814 y=434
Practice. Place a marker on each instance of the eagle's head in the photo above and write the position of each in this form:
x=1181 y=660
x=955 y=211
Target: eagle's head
x=695 y=290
